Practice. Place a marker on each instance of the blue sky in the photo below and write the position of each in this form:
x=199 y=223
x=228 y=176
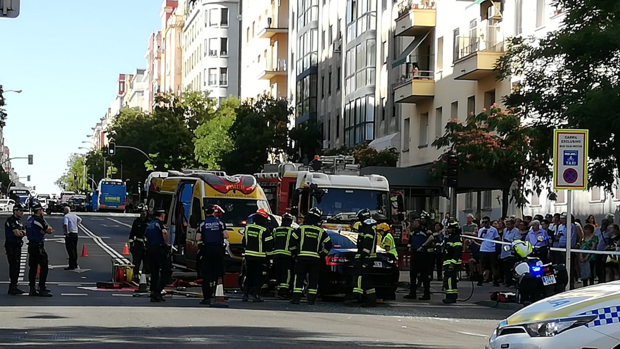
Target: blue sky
x=66 y=56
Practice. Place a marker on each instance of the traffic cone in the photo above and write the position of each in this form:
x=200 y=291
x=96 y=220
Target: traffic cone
x=142 y=285
x=84 y=253
x=126 y=250
x=220 y=301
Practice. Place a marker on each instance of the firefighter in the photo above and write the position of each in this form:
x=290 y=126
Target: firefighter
x=366 y=249
x=387 y=240
x=257 y=241
x=36 y=228
x=421 y=243
x=309 y=241
x=211 y=233
x=158 y=254
x=137 y=242
x=453 y=251
x=282 y=255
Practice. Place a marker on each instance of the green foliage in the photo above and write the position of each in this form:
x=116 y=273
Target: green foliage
x=3 y=114
x=94 y=166
x=366 y=155
x=306 y=140
x=261 y=127
x=5 y=179
x=495 y=141
x=212 y=138
x=570 y=80
x=75 y=166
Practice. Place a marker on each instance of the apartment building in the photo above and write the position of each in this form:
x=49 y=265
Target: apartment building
x=264 y=48
x=173 y=20
x=135 y=96
x=211 y=54
x=153 y=70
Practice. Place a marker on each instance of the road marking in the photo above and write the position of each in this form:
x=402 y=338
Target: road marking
x=116 y=256
x=57 y=266
x=119 y=222
x=472 y=334
x=74 y=294
x=110 y=226
x=82 y=237
x=23 y=260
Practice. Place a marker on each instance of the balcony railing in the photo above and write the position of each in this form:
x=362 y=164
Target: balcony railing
x=405 y=6
x=466 y=46
x=406 y=72
x=275 y=65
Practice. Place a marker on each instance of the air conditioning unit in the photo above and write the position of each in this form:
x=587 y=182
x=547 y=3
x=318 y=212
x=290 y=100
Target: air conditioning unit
x=494 y=11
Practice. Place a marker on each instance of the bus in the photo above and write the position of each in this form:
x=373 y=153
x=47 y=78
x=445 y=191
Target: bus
x=111 y=195
x=19 y=194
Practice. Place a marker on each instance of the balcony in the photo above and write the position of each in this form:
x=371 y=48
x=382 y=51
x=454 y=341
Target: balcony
x=475 y=57
x=415 y=17
x=269 y=30
x=272 y=69
x=415 y=87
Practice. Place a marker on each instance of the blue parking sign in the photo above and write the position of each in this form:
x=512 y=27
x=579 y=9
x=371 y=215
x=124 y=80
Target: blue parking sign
x=571 y=158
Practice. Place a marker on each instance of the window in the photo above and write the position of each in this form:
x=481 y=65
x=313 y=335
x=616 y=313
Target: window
x=223 y=46
x=213 y=47
x=438 y=122
x=253 y=28
x=338 y=79
x=224 y=19
x=383 y=103
x=489 y=98
x=406 y=136
x=323 y=39
x=322 y=86
x=212 y=77
x=330 y=35
x=440 y=54
x=540 y=13
x=487 y=200
x=337 y=126
x=329 y=82
x=518 y=17
x=371 y=51
x=469 y=201
x=454 y=110
x=214 y=17
x=384 y=49
x=456 y=45
x=423 y=140
x=561 y=197
x=223 y=76
x=595 y=194
x=471 y=105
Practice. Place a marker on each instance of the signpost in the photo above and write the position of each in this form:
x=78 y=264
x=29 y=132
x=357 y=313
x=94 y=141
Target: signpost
x=570 y=172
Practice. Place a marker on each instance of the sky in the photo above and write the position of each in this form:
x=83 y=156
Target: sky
x=66 y=56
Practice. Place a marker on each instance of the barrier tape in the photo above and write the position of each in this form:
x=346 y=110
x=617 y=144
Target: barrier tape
x=550 y=248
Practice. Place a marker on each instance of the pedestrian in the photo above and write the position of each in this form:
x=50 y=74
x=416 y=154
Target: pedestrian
x=591 y=220
x=420 y=242
x=13 y=241
x=468 y=228
x=588 y=260
x=36 y=228
x=453 y=250
x=137 y=242
x=282 y=255
x=602 y=234
x=310 y=241
x=487 y=251
x=212 y=232
x=539 y=239
x=70 y=224
x=511 y=233
x=257 y=241
x=158 y=254
x=366 y=249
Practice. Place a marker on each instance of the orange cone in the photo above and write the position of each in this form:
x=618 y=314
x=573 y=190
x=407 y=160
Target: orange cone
x=220 y=301
x=126 y=250
x=84 y=253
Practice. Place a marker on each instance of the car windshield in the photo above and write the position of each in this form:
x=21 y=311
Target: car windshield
x=4 y=202
x=336 y=201
x=341 y=241
x=236 y=210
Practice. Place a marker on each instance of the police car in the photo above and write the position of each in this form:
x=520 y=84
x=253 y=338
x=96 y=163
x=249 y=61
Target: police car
x=588 y=317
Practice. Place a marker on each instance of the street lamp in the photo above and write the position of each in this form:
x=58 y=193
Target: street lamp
x=16 y=91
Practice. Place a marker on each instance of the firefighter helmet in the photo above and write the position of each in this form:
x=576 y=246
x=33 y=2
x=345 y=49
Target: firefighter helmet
x=383 y=227
x=315 y=211
x=363 y=214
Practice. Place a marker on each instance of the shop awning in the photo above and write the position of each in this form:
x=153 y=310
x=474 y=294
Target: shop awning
x=387 y=142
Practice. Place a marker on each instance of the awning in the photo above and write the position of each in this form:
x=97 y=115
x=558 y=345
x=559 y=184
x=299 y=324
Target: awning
x=387 y=142
x=402 y=58
x=477 y=2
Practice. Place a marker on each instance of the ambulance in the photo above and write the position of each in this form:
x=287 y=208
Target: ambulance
x=331 y=183
x=185 y=194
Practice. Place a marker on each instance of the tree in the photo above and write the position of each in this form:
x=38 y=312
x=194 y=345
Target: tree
x=570 y=79
x=261 y=128
x=5 y=179
x=212 y=139
x=365 y=155
x=94 y=165
x=3 y=114
x=306 y=141
x=74 y=180
x=495 y=141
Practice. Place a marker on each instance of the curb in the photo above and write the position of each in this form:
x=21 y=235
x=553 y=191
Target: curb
x=504 y=306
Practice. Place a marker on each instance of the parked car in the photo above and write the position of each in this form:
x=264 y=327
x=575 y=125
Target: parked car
x=77 y=203
x=6 y=205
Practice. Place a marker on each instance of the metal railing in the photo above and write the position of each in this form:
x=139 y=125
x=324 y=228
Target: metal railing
x=418 y=67
x=407 y=5
x=274 y=65
x=466 y=46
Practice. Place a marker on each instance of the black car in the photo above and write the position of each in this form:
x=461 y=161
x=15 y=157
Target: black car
x=337 y=268
x=77 y=203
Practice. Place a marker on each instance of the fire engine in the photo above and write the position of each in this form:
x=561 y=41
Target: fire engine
x=331 y=183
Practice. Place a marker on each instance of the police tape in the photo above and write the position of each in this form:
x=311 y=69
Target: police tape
x=550 y=248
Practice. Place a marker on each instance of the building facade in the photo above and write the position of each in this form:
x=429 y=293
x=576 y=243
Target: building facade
x=153 y=70
x=211 y=54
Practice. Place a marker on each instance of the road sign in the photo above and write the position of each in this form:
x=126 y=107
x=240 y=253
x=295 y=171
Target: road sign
x=570 y=159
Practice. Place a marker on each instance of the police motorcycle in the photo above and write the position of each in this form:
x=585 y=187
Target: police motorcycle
x=534 y=279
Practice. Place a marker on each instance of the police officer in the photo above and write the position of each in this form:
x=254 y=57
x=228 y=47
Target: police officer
x=13 y=241
x=453 y=250
x=282 y=255
x=36 y=228
x=366 y=249
x=308 y=242
x=158 y=254
x=137 y=241
x=257 y=241
x=211 y=233
x=421 y=243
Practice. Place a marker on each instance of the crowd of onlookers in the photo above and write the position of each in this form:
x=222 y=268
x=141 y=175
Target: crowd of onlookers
x=487 y=262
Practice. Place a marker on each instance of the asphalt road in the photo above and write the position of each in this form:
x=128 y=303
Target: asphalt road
x=81 y=315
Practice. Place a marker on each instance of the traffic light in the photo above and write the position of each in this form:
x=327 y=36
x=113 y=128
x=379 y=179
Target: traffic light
x=453 y=171
x=30 y=159
x=28 y=178
x=111 y=148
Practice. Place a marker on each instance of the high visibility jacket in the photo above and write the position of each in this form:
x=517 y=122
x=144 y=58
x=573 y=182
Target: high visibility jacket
x=310 y=240
x=389 y=245
x=257 y=241
x=367 y=242
x=453 y=249
x=282 y=241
